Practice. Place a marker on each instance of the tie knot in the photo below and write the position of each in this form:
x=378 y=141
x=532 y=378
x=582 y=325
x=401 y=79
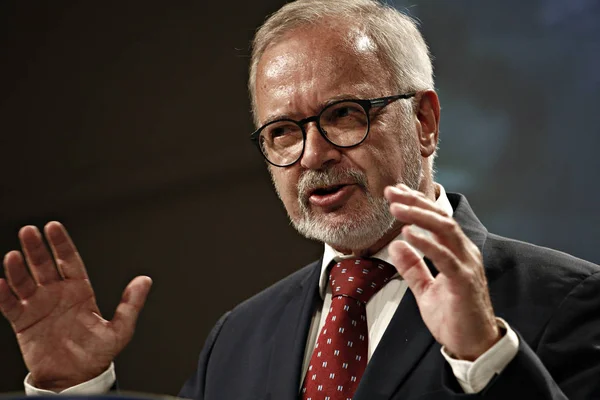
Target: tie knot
x=359 y=278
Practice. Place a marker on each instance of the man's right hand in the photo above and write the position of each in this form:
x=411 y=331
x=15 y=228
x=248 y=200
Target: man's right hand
x=52 y=309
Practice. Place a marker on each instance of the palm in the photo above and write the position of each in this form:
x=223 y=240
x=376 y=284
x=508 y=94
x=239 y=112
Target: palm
x=62 y=336
x=454 y=305
x=439 y=310
x=61 y=323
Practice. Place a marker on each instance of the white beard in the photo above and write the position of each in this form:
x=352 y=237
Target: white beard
x=360 y=230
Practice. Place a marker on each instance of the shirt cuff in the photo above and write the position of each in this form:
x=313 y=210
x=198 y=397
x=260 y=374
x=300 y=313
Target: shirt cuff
x=473 y=376
x=98 y=385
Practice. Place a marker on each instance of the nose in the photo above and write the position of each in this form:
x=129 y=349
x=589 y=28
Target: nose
x=318 y=152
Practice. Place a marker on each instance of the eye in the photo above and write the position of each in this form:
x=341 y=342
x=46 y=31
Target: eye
x=344 y=114
x=345 y=110
x=277 y=132
x=280 y=135
x=280 y=129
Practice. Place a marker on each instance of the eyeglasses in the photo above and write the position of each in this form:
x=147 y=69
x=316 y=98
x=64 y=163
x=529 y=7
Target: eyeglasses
x=344 y=123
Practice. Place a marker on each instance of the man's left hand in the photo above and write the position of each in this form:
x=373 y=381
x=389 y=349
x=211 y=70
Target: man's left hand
x=455 y=304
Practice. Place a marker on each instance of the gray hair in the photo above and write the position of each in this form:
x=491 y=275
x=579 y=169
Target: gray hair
x=401 y=45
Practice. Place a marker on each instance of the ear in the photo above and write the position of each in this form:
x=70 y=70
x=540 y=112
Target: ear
x=428 y=121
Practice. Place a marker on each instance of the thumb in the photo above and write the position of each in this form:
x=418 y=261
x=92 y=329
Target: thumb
x=132 y=302
x=410 y=266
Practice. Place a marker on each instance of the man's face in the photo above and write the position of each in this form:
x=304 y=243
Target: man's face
x=332 y=194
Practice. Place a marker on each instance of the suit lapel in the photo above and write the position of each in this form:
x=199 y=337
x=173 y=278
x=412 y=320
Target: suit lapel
x=290 y=336
x=404 y=343
x=468 y=221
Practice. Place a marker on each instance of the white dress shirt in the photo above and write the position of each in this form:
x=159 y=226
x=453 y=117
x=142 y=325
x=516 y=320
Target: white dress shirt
x=472 y=376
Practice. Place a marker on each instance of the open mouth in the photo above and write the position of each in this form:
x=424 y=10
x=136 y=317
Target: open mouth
x=331 y=197
x=327 y=190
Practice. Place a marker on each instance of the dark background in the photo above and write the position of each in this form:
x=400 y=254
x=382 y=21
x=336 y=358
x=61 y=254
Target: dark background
x=128 y=122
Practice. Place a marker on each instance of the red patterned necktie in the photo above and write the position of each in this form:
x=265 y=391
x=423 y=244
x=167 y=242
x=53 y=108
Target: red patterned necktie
x=340 y=355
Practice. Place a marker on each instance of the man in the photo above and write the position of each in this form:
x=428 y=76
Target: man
x=412 y=299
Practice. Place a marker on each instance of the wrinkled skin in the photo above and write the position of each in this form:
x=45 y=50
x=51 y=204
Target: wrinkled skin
x=63 y=338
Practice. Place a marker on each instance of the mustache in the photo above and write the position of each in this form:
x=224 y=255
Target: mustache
x=314 y=179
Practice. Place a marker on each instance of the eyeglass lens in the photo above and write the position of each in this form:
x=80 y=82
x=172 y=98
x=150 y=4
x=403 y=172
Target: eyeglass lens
x=344 y=124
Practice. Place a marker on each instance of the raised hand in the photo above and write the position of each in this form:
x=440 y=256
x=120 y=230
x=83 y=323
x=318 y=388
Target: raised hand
x=52 y=309
x=455 y=305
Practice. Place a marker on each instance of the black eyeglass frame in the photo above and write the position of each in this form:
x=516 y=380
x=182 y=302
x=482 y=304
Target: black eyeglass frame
x=366 y=104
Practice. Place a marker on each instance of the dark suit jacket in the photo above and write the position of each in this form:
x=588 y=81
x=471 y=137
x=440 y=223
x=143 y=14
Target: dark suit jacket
x=551 y=299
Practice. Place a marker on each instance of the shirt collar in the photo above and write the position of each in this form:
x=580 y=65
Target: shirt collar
x=330 y=254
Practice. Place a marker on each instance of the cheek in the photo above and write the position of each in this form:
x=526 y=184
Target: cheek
x=384 y=165
x=286 y=184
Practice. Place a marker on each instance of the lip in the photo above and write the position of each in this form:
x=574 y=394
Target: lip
x=332 y=200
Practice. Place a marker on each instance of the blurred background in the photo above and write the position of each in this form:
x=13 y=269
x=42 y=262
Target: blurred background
x=129 y=122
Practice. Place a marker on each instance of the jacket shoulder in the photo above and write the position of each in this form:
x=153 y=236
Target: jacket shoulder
x=281 y=290
x=505 y=254
x=529 y=283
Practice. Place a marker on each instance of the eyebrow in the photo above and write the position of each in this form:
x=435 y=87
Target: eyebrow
x=321 y=106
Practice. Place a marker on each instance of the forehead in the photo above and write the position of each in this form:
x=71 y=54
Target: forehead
x=309 y=66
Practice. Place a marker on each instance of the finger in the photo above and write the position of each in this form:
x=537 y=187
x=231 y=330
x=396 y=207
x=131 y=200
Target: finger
x=403 y=186
x=411 y=267
x=402 y=194
x=132 y=302
x=444 y=227
x=39 y=259
x=68 y=260
x=443 y=259
x=10 y=306
x=18 y=276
